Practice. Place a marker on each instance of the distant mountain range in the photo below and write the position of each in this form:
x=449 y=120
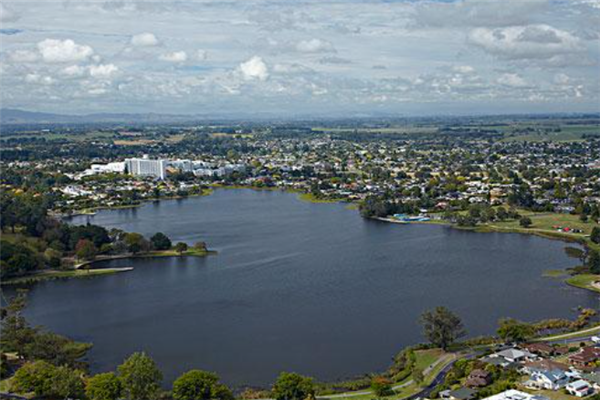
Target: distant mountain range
x=14 y=116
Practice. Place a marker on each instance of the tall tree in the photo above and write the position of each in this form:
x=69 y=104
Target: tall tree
x=292 y=386
x=595 y=235
x=160 y=241
x=140 y=377
x=105 y=386
x=200 y=385
x=515 y=331
x=442 y=327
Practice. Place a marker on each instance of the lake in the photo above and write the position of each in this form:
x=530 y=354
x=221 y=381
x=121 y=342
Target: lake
x=296 y=286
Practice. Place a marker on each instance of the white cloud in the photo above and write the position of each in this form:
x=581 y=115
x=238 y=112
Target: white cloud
x=562 y=79
x=201 y=55
x=7 y=14
x=525 y=42
x=175 y=57
x=73 y=70
x=512 y=80
x=478 y=13
x=145 y=39
x=315 y=46
x=37 y=78
x=103 y=70
x=254 y=68
x=463 y=69
x=58 y=51
x=23 y=56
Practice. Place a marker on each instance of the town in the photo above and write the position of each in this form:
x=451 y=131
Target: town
x=507 y=174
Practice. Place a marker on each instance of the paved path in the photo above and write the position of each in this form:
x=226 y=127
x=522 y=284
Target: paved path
x=568 y=336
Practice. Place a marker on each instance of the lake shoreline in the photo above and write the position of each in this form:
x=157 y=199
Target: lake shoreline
x=588 y=283
x=83 y=270
x=279 y=257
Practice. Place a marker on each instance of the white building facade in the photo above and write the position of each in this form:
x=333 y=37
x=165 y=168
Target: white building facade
x=147 y=167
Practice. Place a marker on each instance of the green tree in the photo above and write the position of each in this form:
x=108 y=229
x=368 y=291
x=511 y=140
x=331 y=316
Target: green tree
x=593 y=262
x=56 y=349
x=292 y=386
x=442 y=327
x=85 y=250
x=160 y=241
x=381 y=386
x=136 y=242
x=105 y=386
x=595 y=235
x=525 y=222
x=515 y=331
x=200 y=385
x=140 y=377
x=181 y=247
x=67 y=383
x=34 y=377
x=200 y=246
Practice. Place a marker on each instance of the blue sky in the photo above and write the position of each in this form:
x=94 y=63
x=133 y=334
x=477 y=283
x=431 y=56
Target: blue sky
x=301 y=57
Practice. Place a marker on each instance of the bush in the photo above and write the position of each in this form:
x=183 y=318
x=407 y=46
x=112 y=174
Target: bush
x=525 y=222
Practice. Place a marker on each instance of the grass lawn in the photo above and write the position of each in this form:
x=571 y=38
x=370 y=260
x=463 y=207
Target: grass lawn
x=585 y=281
x=190 y=252
x=312 y=199
x=546 y=221
x=427 y=357
x=543 y=225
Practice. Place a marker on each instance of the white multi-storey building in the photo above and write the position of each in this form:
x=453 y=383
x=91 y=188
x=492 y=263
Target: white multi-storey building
x=146 y=167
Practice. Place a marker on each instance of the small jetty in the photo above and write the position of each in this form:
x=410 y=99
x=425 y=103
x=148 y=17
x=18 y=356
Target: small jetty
x=403 y=218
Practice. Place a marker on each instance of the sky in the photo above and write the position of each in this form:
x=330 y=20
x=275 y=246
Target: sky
x=339 y=58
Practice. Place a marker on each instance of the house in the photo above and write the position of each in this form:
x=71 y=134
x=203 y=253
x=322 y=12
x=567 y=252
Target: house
x=585 y=358
x=593 y=379
x=498 y=361
x=515 y=395
x=579 y=388
x=478 y=378
x=515 y=355
x=543 y=365
x=550 y=380
x=541 y=349
x=461 y=394
x=561 y=350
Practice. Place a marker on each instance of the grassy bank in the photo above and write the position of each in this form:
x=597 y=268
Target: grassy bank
x=311 y=198
x=585 y=281
x=191 y=252
x=57 y=274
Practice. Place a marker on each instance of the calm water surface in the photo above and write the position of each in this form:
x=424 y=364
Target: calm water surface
x=303 y=287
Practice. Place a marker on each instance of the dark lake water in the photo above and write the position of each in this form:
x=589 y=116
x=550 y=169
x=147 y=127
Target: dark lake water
x=303 y=287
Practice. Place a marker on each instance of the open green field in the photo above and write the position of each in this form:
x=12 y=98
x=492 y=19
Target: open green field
x=543 y=224
x=76 y=136
x=394 y=129
x=312 y=199
x=567 y=133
